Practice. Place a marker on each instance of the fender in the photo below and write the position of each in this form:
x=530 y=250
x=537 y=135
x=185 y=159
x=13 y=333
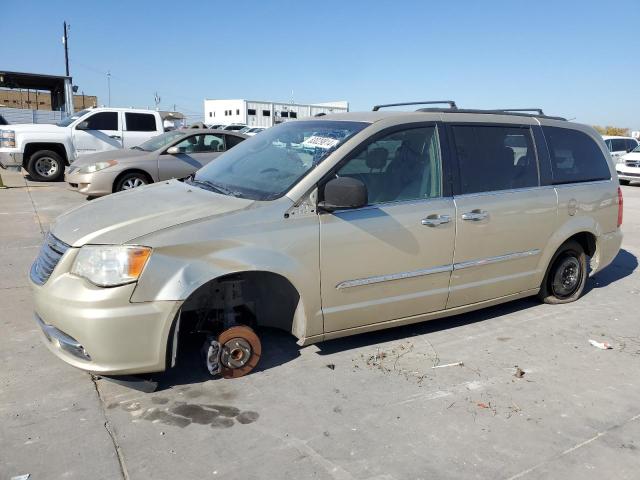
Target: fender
x=175 y=273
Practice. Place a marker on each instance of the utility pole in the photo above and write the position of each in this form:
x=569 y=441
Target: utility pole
x=109 y=86
x=65 y=42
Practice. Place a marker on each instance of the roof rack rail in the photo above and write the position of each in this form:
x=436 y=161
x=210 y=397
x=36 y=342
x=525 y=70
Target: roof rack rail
x=517 y=113
x=451 y=103
x=523 y=110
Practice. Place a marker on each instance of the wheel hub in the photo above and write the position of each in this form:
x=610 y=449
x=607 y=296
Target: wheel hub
x=130 y=183
x=567 y=278
x=235 y=353
x=46 y=167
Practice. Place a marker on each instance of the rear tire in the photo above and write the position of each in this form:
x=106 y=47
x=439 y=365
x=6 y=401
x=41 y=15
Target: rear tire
x=625 y=182
x=566 y=276
x=46 y=166
x=131 y=180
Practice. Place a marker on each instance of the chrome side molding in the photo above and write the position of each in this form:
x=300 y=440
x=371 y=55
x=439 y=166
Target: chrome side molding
x=430 y=271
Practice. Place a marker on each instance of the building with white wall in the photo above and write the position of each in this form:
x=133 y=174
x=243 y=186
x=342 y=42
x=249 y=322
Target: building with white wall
x=264 y=114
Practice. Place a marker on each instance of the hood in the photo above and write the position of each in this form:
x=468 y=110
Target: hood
x=122 y=217
x=34 y=127
x=632 y=156
x=117 y=154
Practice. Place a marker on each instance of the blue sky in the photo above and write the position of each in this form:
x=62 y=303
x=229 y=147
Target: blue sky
x=572 y=58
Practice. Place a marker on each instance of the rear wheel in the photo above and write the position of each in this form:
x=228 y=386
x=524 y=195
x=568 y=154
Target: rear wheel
x=46 y=166
x=566 y=276
x=130 y=181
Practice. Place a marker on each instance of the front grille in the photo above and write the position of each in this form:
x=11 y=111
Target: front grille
x=632 y=163
x=49 y=256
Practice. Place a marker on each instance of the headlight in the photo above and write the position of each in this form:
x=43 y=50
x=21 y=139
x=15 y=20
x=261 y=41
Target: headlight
x=7 y=138
x=97 y=166
x=108 y=266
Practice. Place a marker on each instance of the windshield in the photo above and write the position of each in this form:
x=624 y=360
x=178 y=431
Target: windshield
x=72 y=118
x=266 y=166
x=160 y=141
x=637 y=149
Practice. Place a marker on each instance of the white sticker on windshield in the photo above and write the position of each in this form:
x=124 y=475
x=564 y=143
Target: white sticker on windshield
x=317 y=141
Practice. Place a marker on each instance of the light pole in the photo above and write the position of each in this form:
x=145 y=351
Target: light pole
x=109 y=86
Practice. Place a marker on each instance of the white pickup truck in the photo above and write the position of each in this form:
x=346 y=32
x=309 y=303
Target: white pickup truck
x=44 y=150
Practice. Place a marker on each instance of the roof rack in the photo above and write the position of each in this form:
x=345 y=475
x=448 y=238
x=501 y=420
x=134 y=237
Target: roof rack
x=522 y=110
x=451 y=103
x=514 y=112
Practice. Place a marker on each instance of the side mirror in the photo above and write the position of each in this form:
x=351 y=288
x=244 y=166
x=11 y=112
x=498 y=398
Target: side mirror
x=83 y=126
x=173 y=150
x=343 y=193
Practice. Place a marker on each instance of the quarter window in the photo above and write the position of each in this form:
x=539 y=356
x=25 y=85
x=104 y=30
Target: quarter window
x=103 y=121
x=494 y=158
x=403 y=165
x=575 y=156
x=140 y=122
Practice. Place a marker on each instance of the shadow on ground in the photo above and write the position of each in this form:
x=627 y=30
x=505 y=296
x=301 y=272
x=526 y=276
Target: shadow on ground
x=280 y=347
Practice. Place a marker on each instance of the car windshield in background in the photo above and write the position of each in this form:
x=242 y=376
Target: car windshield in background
x=159 y=141
x=72 y=118
x=637 y=149
x=266 y=166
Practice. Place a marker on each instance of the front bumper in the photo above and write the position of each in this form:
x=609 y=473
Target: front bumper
x=91 y=184
x=99 y=329
x=628 y=173
x=11 y=160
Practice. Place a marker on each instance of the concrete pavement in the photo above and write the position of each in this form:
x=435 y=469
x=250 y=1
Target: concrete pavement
x=364 y=407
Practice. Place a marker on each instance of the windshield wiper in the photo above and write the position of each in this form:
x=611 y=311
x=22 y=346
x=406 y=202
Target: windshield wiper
x=210 y=185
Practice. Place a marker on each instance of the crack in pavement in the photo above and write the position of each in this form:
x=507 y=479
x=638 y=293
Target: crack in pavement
x=111 y=432
x=573 y=449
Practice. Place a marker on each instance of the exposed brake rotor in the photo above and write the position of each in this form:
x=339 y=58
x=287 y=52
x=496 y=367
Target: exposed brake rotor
x=240 y=351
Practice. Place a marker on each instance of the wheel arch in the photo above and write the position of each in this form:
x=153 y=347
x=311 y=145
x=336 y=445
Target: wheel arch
x=130 y=170
x=34 y=147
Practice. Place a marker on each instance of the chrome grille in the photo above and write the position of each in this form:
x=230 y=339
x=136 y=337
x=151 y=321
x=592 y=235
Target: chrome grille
x=632 y=163
x=49 y=256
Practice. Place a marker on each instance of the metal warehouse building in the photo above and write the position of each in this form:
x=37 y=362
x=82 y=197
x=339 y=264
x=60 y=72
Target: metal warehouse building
x=264 y=114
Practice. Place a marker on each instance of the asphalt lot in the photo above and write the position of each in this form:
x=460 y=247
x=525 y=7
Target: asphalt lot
x=365 y=407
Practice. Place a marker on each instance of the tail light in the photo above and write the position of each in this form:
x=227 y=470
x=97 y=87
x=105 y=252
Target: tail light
x=619 y=206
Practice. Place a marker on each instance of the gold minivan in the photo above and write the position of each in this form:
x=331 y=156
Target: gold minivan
x=327 y=227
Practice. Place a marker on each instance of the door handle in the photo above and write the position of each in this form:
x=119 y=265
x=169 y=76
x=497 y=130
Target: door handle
x=117 y=137
x=435 y=220
x=475 y=215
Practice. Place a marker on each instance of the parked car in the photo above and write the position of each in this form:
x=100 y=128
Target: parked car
x=619 y=146
x=382 y=219
x=253 y=130
x=234 y=127
x=44 y=150
x=628 y=168
x=175 y=154
x=216 y=127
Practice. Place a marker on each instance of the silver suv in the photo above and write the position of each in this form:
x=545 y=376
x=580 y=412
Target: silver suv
x=328 y=227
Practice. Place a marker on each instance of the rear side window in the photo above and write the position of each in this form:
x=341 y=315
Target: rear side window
x=575 y=156
x=232 y=140
x=494 y=158
x=140 y=122
x=103 y=121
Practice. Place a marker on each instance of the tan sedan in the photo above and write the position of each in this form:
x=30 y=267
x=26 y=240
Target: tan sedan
x=175 y=154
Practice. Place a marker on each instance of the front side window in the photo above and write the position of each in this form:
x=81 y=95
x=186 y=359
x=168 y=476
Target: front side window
x=140 y=122
x=103 y=121
x=618 y=144
x=404 y=165
x=204 y=143
x=266 y=166
x=575 y=156
x=494 y=158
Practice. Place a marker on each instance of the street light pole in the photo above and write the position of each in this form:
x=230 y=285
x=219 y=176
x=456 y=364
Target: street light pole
x=65 y=41
x=109 y=85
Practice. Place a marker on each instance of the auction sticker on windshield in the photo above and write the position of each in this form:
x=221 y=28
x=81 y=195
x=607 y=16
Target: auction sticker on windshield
x=317 y=141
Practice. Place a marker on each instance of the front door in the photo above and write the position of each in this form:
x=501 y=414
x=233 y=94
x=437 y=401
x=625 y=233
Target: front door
x=100 y=132
x=391 y=259
x=195 y=152
x=504 y=217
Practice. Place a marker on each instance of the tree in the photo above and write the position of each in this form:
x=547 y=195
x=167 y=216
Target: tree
x=613 y=131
